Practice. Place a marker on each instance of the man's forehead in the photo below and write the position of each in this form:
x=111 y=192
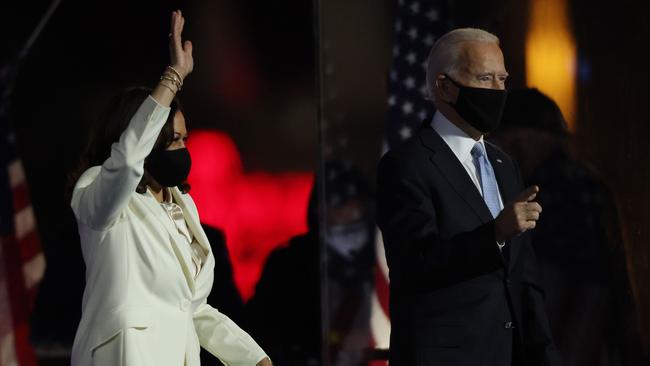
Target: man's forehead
x=481 y=56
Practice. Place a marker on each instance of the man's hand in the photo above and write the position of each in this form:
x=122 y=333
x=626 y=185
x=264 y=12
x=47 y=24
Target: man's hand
x=518 y=216
x=265 y=362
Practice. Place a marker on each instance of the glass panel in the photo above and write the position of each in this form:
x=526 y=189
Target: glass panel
x=354 y=44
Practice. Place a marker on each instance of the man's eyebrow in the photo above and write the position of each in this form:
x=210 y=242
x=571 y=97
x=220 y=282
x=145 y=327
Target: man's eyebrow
x=492 y=74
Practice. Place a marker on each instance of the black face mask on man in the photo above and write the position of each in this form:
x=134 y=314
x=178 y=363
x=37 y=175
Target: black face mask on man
x=169 y=168
x=481 y=108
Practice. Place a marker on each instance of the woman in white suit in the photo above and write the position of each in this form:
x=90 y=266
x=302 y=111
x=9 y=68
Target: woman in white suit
x=149 y=267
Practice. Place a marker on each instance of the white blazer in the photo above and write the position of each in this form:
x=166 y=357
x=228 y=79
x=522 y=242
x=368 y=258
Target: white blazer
x=141 y=305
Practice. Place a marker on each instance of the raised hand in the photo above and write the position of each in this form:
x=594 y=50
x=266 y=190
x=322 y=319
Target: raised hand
x=180 y=53
x=518 y=216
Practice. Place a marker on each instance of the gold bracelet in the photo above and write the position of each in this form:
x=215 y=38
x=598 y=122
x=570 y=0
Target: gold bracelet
x=171 y=81
x=168 y=87
x=167 y=77
x=177 y=73
x=174 y=81
x=171 y=77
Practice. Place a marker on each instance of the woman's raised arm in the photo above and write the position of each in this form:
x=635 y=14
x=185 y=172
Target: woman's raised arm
x=101 y=194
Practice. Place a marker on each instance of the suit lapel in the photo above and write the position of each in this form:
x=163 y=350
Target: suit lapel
x=194 y=225
x=445 y=160
x=450 y=168
x=158 y=212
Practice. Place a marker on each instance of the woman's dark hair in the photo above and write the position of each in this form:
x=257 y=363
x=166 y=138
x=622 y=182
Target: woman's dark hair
x=108 y=129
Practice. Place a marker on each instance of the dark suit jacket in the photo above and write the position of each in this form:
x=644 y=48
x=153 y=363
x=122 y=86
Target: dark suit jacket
x=455 y=299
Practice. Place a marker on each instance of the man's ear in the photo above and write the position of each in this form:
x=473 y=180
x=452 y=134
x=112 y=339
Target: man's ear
x=445 y=89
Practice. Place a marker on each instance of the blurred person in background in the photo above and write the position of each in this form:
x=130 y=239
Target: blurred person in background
x=577 y=240
x=285 y=312
x=224 y=294
x=149 y=266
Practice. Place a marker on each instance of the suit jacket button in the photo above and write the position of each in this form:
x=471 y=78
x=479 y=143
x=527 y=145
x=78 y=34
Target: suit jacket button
x=185 y=304
x=508 y=325
x=509 y=282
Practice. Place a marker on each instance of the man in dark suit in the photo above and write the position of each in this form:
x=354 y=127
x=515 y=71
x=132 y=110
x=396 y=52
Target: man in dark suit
x=464 y=287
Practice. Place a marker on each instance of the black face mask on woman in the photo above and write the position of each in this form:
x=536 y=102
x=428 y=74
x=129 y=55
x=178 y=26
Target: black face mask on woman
x=169 y=167
x=481 y=108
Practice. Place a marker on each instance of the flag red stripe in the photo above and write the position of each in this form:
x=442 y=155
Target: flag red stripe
x=21 y=300
x=16 y=281
x=24 y=352
x=30 y=246
x=20 y=197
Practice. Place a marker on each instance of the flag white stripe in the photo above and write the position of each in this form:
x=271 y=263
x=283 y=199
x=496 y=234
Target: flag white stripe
x=33 y=270
x=24 y=222
x=381 y=256
x=16 y=174
x=379 y=323
x=8 y=351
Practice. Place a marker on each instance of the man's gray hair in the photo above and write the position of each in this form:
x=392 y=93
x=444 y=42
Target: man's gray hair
x=444 y=56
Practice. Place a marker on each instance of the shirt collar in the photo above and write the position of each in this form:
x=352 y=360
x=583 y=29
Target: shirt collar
x=459 y=142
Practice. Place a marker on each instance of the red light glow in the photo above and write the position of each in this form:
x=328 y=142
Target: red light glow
x=257 y=211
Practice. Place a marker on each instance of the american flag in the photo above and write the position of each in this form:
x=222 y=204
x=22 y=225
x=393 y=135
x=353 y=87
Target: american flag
x=22 y=262
x=418 y=24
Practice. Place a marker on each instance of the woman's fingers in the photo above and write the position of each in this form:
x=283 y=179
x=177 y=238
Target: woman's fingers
x=176 y=30
x=180 y=23
x=176 y=18
x=180 y=52
x=177 y=22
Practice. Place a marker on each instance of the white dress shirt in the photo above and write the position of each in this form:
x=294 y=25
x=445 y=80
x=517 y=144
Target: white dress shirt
x=461 y=145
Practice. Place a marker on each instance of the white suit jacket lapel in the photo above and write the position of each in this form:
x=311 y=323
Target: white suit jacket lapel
x=194 y=225
x=158 y=212
x=192 y=220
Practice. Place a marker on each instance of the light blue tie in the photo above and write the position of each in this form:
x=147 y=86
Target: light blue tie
x=487 y=180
